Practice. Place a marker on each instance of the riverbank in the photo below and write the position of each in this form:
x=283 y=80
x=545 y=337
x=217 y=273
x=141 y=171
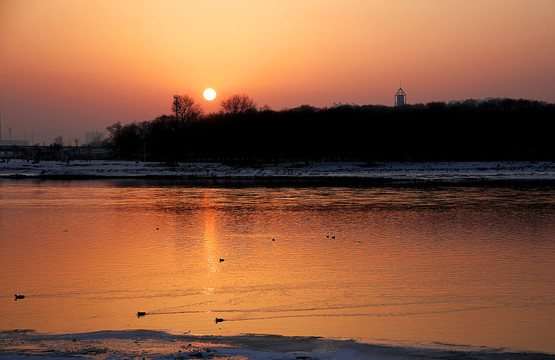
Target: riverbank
x=347 y=172
x=145 y=344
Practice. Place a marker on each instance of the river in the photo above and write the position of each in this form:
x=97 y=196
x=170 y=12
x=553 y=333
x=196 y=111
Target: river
x=432 y=265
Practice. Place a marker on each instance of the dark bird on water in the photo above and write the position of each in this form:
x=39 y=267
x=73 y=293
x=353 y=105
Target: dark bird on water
x=141 y=313
x=19 y=297
x=218 y=320
x=222 y=259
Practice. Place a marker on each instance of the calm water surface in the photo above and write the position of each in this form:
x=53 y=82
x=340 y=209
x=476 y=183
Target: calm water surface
x=458 y=265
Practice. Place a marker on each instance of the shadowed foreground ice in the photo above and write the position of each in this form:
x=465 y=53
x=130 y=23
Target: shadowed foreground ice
x=354 y=171
x=146 y=344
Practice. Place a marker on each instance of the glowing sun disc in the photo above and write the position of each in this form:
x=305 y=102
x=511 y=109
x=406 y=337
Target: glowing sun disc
x=209 y=94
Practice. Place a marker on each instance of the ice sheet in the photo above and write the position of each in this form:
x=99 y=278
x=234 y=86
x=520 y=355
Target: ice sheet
x=405 y=171
x=147 y=344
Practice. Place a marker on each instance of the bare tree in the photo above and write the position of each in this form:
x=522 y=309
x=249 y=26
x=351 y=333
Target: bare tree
x=59 y=140
x=238 y=104
x=185 y=109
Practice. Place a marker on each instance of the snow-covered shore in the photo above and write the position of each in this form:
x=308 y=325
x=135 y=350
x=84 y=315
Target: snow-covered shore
x=448 y=172
x=146 y=344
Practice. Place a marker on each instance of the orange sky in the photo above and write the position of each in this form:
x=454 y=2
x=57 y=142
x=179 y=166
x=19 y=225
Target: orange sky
x=67 y=67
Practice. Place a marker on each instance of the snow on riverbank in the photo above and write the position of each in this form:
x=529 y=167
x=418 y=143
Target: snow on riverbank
x=145 y=344
x=406 y=171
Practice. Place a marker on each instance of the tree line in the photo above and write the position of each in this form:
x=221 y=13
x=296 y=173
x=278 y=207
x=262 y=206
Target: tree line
x=471 y=130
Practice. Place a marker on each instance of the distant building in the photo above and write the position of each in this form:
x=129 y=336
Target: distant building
x=94 y=138
x=400 y=97
x=0 y=122
x=14 y=143
x=10 y=142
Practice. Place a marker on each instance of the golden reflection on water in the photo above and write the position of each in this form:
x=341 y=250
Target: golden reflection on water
x=457 y=265
x=210 y=244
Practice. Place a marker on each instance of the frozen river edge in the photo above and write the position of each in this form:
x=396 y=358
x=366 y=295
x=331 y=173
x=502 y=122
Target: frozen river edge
x=333 y=173
x=147 y=344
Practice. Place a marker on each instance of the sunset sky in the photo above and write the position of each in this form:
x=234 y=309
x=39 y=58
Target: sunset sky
x=67 y=67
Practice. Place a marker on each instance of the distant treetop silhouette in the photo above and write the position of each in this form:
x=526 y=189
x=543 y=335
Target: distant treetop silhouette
x=238 y=104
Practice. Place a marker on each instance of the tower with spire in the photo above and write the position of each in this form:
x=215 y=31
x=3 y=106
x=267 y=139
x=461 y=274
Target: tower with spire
x=400 y=97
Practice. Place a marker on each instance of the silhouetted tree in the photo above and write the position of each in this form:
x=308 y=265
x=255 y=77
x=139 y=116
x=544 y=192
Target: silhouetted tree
x=238 y=104
x=126 y=140
x=185 y=108
x=474 y=130
x=164 y=139
x=59 y=140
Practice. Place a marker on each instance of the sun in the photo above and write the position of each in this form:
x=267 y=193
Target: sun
x=209 y=94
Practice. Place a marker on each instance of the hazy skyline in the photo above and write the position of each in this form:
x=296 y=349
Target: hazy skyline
x=67 y=67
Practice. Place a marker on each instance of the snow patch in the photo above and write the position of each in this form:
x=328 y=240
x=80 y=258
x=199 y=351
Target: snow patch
x=391 y=171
